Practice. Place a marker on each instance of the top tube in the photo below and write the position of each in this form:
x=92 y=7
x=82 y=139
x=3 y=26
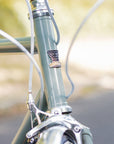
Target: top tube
x=8 y=47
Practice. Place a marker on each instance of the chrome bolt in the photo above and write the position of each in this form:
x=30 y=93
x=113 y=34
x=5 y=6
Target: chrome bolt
x=77 y=129
x=56 y=111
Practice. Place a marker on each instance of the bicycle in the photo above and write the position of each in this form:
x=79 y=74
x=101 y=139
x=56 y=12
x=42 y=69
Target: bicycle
x=50 y=121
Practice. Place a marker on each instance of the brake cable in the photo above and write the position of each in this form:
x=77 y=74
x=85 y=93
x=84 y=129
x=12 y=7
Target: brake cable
x=91 y=11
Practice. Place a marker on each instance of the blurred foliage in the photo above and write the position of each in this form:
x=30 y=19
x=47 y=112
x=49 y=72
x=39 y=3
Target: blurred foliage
x=9 y=20
x=69 y=14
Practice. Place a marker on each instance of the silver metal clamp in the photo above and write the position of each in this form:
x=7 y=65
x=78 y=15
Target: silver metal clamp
x=59 y=120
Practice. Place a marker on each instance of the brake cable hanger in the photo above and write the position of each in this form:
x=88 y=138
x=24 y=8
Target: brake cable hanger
x=91 y=11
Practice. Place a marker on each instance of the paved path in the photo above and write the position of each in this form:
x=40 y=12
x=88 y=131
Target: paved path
x=95 y=111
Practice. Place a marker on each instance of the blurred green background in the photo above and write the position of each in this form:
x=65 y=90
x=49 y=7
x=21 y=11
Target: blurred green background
x=69 y=14
x=14 y=69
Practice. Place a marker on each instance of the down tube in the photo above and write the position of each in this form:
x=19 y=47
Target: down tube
x=54 y=88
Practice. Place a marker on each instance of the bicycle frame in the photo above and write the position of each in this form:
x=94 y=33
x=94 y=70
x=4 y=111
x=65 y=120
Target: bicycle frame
x=54 y=99
x=8 y=47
